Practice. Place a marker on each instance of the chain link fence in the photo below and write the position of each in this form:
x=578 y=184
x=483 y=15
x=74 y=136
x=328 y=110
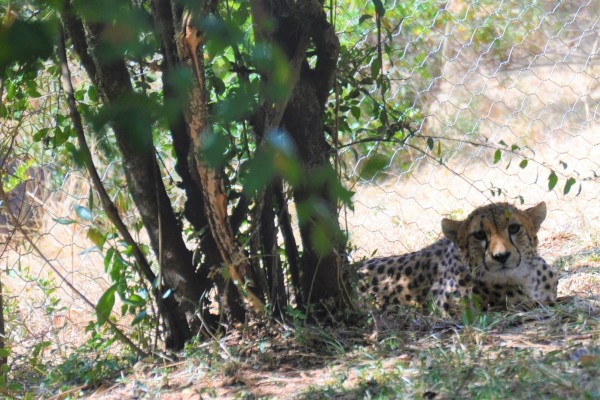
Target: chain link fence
x=504 y=101
x=45 y=248
x=500 y=101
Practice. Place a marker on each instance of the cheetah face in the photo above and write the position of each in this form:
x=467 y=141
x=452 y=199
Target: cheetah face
x=498 y=238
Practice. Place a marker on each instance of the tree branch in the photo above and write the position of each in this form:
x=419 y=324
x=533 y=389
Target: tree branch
x=312 y=17
x=134 y=139
x=14 y=221
x=107 y=203
x=215 y=198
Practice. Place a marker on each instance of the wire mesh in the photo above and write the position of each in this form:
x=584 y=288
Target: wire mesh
x=44 y=244
x=502 y=100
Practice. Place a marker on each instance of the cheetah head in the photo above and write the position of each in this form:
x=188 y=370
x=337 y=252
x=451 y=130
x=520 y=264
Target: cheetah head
x=497 y=238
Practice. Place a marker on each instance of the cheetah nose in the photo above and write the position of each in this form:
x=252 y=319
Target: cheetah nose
x=501 y=257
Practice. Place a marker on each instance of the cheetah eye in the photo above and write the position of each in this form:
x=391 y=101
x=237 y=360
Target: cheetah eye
x=479 y=235
x=514 y=229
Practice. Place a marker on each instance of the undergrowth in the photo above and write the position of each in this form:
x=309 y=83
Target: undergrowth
x=552 y=354
x=549 y=353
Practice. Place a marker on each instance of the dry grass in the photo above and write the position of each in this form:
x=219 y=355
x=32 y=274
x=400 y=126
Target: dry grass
x=537 y=354
x=550 y=353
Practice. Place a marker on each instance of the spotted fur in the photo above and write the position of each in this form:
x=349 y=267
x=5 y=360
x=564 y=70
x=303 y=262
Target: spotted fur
x=492 y=253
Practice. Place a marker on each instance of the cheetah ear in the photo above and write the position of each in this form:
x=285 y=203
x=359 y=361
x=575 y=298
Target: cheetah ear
x=537 y=215
x=450 y=228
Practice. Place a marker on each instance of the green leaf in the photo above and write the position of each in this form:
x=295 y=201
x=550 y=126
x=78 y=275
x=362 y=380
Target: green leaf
x=218 y=85
x=570 y=182
x=117 y=267
x=60 y=136
x=375 y=68
x=274 y=64
x=11 y=91
x=106 y=304
x=257 y=172
x=563 y=164
x=108 y=258
x=91 y=198
x=31 y=89
x=96 y=237
x=552 y=180
x=83 y=213
x=214 y=148
x=364 y=18
x=39 y=135
x=523 y=163
x=236 y=105
x=24 y=42
x=63 y=221
x=79 y=95
x=430 y=143
x=92 y=93
x=139 y=318
x=76 y=154
x=134 y=300
x=497 y=156
x=373 y=165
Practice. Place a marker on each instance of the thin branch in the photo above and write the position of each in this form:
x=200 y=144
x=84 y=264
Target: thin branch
x=491 y=146
x=107 y=204
x=14 y=221
x=291 y=247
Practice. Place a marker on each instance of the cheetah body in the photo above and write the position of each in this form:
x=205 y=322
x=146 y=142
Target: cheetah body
x=492 y=253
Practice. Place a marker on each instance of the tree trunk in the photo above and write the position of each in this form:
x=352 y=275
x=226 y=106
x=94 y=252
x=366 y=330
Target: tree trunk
x=134 y=139
x=299 y=24
x=271 y=259
x=194 y=208
x=289 y=241
x=321 y=272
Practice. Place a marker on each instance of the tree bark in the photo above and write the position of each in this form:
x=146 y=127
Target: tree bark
x=166 y=16
x=289 y=241
x=215 y=198
x=271 y=259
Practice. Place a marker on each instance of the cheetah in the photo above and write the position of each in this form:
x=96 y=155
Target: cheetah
x=492 y=254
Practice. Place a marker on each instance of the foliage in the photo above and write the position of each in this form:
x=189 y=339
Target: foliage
x=243 y=74
x=393 y=54
x=377 y=117
x=89 y=365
